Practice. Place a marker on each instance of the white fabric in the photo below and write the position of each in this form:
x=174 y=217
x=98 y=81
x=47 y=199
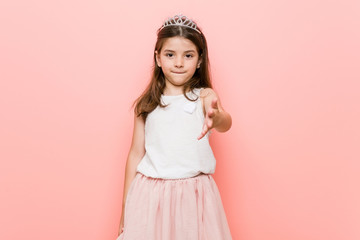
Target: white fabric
x=172 y=148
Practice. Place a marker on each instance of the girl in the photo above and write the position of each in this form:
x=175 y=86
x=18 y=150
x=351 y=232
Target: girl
x=169 y=192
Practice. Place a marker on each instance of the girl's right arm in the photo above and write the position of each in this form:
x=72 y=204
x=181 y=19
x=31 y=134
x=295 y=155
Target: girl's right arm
x=136 y=153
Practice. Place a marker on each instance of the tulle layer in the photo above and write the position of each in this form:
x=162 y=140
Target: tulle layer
x=174 y=209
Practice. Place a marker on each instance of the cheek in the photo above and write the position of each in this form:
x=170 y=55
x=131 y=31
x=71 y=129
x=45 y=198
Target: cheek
x=193 y=65
x=166 y=64
x=194 y=62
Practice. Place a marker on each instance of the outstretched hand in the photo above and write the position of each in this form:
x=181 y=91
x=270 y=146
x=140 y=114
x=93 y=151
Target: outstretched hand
x=211 y=118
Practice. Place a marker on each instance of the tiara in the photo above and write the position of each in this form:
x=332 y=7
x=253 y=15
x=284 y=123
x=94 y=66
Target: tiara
x=180 y=20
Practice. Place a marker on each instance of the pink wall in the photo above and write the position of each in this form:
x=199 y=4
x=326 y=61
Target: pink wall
x=287 y=72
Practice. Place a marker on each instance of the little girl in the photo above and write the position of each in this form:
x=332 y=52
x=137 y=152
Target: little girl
x=169 y=192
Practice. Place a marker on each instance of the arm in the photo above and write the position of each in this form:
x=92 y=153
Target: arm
x=137 y=151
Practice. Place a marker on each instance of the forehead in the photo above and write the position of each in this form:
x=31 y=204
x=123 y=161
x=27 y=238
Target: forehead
x=178 y=44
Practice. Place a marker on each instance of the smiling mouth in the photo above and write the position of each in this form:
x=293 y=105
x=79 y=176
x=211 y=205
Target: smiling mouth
x=178 y=72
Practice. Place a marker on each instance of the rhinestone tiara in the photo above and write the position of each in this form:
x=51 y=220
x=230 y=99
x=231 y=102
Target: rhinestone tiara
x=180 y=20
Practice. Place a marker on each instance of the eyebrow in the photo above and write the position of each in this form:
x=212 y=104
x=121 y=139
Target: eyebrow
x=168 y=50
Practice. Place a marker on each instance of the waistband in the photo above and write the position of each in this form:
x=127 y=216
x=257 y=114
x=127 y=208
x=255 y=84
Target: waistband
x=173 y=179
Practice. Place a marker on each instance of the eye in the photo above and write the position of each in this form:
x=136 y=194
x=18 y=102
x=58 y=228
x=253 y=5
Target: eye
x=189 y=55
x=168 y=54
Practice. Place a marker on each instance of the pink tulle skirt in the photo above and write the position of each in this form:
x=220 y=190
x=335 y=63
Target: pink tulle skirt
x=174 y=209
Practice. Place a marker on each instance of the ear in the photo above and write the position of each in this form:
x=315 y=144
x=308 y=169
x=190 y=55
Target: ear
x=199 y=62
x=157 y=58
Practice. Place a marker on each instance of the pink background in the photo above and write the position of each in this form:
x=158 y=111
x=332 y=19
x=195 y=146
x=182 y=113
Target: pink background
x=287 y=72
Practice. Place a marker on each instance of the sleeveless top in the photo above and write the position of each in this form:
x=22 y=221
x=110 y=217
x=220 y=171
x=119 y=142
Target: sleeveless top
x=172 y=148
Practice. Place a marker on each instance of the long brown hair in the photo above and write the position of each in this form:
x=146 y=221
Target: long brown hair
x=150 y=98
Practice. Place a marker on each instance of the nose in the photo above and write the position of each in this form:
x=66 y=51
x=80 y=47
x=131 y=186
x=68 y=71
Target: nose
x=179 y=61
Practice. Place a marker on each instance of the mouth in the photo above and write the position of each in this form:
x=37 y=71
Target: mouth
x=179 y=72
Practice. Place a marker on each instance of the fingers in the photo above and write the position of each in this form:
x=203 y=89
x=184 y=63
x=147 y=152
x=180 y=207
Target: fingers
x=201 y=135
x=204 y=131
x=213 y=108
x=211 y=113
x=214 y=103
x=206 y=127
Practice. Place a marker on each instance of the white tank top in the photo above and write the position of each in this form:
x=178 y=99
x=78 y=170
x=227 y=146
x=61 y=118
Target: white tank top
x=172 y=148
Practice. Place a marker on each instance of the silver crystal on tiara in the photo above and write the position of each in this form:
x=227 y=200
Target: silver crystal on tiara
x=177 y=20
